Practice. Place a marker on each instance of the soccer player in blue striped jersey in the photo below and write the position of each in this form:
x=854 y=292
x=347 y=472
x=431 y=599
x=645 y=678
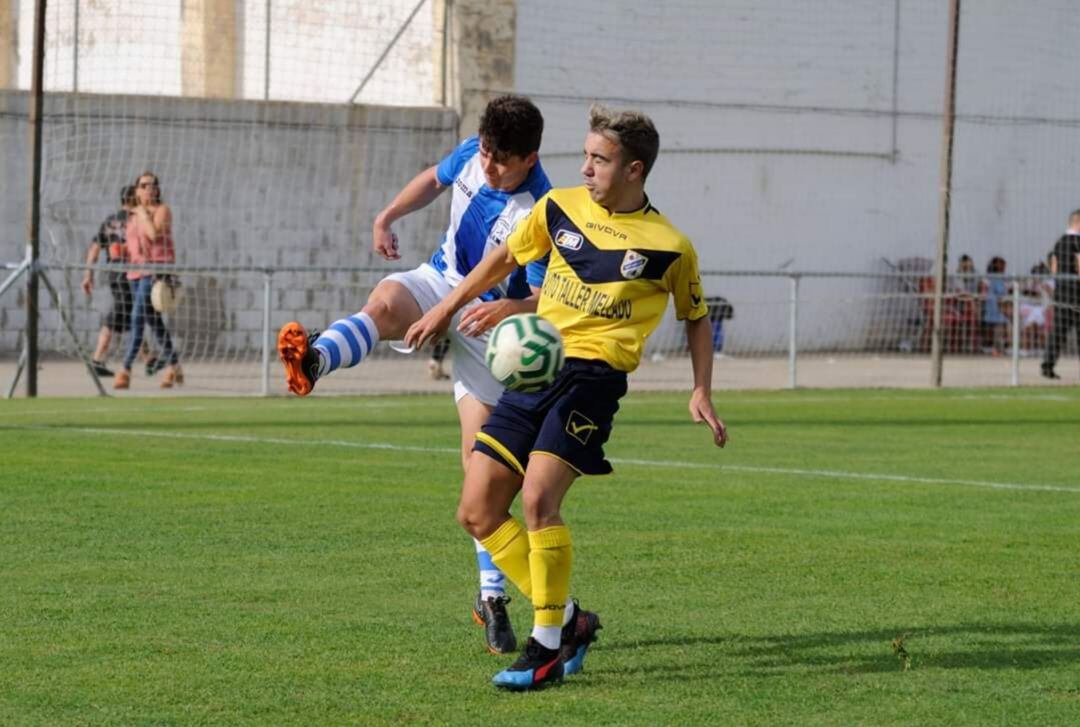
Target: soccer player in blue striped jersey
x=614 y=262
x=495 y=178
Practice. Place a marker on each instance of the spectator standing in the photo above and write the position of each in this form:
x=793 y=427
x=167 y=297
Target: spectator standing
x=149 y=240
x=995 y=295
x=110 y=241
x=1064 y=263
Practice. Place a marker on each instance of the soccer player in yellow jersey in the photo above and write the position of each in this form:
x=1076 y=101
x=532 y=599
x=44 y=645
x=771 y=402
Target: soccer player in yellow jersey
x=615 y=259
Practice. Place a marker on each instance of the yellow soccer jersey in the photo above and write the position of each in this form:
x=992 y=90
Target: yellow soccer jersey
x=609 y=275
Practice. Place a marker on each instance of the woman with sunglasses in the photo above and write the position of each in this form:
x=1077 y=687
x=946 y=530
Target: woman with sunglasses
x=149 y=240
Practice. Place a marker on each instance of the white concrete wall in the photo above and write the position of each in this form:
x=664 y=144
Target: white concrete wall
x=792 y=107
x=737 y=77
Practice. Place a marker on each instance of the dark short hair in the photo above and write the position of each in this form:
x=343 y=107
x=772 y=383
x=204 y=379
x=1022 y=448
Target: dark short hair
x=511 y=125
x=632 y=130
x=996 y=264
x=966 y=258
x=127 y=194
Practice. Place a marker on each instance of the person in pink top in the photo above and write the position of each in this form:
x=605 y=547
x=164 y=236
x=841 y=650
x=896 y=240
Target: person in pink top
x=149 y=240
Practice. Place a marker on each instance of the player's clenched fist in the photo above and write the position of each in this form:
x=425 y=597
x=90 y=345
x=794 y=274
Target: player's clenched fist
x=386 y=243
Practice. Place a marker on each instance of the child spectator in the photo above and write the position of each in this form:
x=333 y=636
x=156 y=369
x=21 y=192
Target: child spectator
x=996 y=307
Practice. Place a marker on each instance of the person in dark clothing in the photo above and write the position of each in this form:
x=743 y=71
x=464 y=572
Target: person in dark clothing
x=1065 y=264
x=109 y=242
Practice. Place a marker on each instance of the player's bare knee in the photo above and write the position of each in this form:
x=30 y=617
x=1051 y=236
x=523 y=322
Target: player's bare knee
x=381 y=312
x=464 y=516
x=393 y=308
x=539 y=508
x=477 y=521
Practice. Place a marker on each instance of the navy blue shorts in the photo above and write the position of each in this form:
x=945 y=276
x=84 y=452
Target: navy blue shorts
x=570 y=420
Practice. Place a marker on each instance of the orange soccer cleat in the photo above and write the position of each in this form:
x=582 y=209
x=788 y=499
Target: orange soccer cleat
x=299 y=357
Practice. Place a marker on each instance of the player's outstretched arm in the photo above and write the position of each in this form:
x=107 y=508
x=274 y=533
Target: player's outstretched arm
x=417 y=194
x=482 y=317
x=495 y=266
x=699 y=336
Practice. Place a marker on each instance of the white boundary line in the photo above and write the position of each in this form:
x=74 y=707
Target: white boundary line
x=838 y=474
x=246 y=439
x=162 y=405
x=667 y=464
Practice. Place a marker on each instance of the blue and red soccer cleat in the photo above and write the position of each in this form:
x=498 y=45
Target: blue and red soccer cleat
x=577 y=634
x=536 y=668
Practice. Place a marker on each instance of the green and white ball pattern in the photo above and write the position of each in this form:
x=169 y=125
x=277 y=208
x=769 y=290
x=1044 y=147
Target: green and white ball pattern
x=525 y=352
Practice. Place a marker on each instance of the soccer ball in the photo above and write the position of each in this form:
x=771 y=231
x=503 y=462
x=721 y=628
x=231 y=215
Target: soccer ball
x=525 y=352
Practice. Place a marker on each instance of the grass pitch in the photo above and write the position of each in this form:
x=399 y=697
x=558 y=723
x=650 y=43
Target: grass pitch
x=864 y=557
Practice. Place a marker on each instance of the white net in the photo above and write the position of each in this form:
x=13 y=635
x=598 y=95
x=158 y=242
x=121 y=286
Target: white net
x=324 y=114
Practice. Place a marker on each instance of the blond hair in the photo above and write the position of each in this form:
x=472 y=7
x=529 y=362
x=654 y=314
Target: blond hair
x=631 y=130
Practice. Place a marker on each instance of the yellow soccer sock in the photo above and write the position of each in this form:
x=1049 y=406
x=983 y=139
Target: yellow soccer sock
x=509 y=549
x=551 y=554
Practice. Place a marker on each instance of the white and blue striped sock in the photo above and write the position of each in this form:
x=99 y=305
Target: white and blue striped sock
x=492 y=580
x=346 y=342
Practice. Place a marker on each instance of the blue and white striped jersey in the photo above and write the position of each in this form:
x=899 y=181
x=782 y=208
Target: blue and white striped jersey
x=482 y=218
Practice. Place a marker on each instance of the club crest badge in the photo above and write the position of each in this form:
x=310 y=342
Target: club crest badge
x=633 y=265
x=500 y=231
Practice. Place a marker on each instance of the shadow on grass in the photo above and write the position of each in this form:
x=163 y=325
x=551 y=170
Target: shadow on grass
x=983 y=646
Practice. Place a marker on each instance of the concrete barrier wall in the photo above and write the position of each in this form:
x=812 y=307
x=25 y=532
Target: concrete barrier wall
x=249 y=183
x=798 y=138
x=801 y=136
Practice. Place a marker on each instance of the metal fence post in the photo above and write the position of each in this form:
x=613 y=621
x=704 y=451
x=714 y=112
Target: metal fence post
x=1016 y=333
x=268 y=284
x=75 y=52
x=793 y=330
x=266 y=56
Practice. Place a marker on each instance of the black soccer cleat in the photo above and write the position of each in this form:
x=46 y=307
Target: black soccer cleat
x=577 y=634
x=536 y=668
x=299 y=356
x=498 y=631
